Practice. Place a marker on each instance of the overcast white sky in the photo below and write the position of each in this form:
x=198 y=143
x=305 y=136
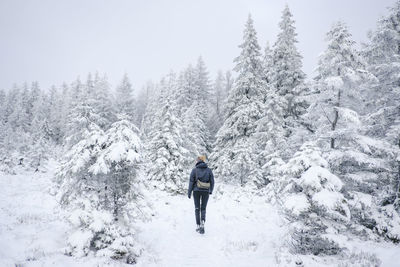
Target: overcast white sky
x=54 y=41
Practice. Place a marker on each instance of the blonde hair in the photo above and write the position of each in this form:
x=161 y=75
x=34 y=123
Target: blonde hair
x=201 y=157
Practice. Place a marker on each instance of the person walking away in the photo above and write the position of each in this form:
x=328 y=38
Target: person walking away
x=202 y=184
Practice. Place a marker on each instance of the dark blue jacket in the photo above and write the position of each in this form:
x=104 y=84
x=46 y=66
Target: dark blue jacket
x=204 y=174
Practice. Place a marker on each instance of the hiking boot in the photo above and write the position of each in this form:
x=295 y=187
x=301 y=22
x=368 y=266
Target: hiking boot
x=198 y=228
x=202 y=228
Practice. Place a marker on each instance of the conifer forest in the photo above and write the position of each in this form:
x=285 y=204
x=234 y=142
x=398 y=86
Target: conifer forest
x=306 y=167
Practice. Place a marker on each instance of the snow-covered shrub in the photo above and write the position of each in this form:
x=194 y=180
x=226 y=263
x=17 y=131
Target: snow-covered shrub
x=99 y=186
x=361 y=259
x=8 y=161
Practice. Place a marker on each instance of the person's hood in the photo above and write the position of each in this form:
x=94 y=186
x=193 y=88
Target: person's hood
x=201 y=164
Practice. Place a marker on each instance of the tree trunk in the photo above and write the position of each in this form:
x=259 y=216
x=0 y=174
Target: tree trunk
x=335 y=120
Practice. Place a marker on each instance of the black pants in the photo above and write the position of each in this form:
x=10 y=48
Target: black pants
x=200 y=203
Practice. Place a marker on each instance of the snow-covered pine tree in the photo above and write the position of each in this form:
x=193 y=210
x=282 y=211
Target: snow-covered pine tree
x=312 y=198
x=23 y=116
x=270 y=139
x=203 y=93
x=3 y=104
x=286 y=75
x=166 y=154
x=229 y=80
x=202 y=81
x=360 y=160
x=383 y=55
x=34 y=94
x=3 y=131
x=233 y=155
x=283 y=71
x=149 y=116
x=186 y=89
x=103 y=102
x=143 y=100
x=11 y=120
x=100 y=188
x=195 y=131
x=65 y=107
x=340 y=84
x=25 y=110
x=218 y=100
x=12 y=99
x=17 y=136
x=55 y=114
x=268 y=63
x=82 y=117
x=124 y=99
x=40 y=133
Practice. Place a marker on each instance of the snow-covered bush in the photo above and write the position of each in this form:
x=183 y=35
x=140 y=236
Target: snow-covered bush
x=100 y=187
x=360 y=259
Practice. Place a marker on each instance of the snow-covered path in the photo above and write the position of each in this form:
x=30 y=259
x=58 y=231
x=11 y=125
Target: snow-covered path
x=239 y=232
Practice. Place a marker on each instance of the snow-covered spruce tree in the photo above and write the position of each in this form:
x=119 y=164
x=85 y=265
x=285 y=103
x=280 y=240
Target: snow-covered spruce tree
x=312 y=198
x=82 y=117
x=196 y=134
x=360 y=160
x=193 y=85
x=233 y=154
x=218 y=99
x=149 y=117
x=202 y=81
x=124 y=100
x=268 y=63
x=286 y=75
x=62 y=111
x=3 y=104
x=3 y=132
x=143 y=101
x=102 y=192
x=383 y=55
x=283 y=72
x=40 y=133
x=341 y=83
x=21 y=117
x=8 y=147
x=26 y=102
x=186 y=90
x=228 y=83
x=270 y=139
x=55 y=115
x=103 y=102
x=165 y=149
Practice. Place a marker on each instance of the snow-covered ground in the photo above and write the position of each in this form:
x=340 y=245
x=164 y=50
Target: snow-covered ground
x=33 y=231
x=240 y=231
x=30 y=225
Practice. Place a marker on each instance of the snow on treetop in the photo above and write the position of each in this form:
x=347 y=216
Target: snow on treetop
x=121 y=143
